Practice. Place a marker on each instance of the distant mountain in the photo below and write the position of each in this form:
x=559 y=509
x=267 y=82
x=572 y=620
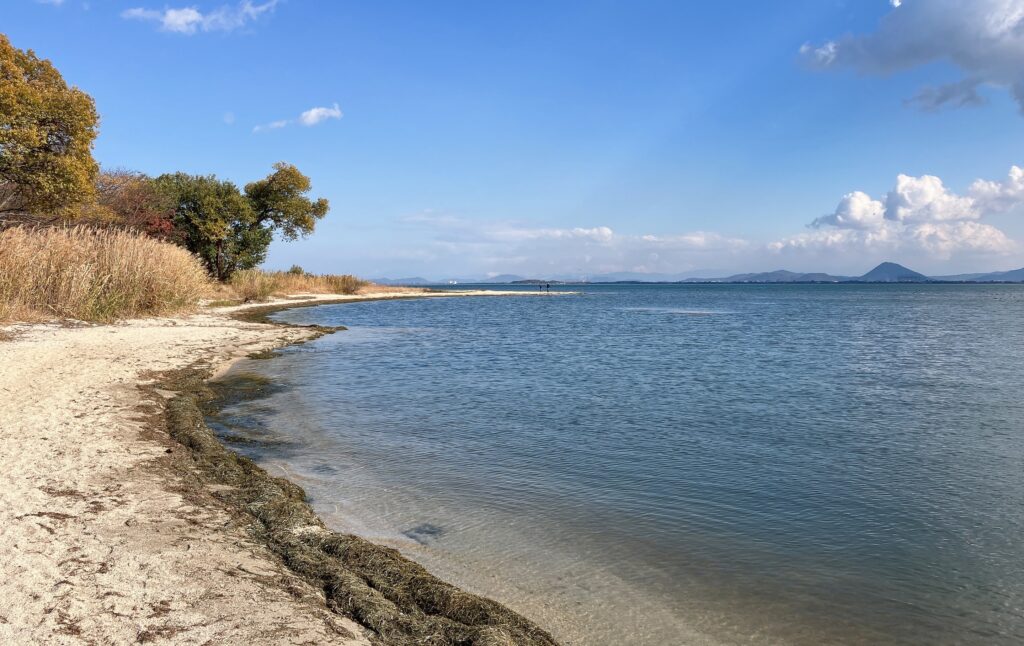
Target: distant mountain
x=890 y=272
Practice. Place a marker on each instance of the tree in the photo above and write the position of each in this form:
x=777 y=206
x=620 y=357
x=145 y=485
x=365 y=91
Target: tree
x=134 y=200
x=231 y=231
x=280 y=202
x=46 y=135
x=215 y=222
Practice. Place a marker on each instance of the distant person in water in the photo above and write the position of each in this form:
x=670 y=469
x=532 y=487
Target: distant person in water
x=548 y=286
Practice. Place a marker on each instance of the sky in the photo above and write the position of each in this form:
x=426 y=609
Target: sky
x=469 y=139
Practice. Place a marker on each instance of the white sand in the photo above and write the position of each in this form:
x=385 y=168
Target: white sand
x=100 y=541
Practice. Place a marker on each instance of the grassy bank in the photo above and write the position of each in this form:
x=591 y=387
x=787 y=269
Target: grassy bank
x=254 y=285
x=94 y=275
x=103 y=275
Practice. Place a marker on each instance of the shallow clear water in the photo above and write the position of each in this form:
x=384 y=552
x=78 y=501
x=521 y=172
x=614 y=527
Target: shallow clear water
x=796 y=464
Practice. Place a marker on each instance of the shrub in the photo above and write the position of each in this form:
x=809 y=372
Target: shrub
x=94 y=275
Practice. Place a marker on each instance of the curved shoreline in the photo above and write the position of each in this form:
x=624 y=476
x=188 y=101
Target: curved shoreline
x=116 y=534
x=375 y=585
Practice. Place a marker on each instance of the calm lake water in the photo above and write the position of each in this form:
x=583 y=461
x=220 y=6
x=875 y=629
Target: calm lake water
x=679 y=464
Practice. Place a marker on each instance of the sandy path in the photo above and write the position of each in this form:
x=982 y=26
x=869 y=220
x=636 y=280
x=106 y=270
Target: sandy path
x=100 y=542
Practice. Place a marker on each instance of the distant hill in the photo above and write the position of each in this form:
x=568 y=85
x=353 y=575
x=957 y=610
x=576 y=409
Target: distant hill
x=778 y=276
x=639 y=277
x=890 y=272
x=958 y=278
x=1012 y=276
x=537 y=281
x=503 y=278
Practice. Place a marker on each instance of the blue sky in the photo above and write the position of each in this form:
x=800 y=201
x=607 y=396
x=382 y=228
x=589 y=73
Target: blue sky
x=466 y=138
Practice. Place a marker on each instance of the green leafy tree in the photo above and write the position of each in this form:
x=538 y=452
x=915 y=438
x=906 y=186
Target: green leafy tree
x=46 y=135
x=215 y=222
x=280 y=202
x=229 y=230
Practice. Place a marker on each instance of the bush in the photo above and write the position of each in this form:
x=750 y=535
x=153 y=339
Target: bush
x=94 y=275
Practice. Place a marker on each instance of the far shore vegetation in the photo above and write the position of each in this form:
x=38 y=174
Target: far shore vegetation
x=81 y=242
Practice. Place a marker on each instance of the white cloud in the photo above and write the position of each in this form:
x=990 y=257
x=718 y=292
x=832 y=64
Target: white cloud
x=855 y=211
x=984 y=39
x=309 y=118
x=189 y=20
x=229 y=118
x=314 y=116
x=504 y=246
x=273 y=125
x=996 y=197
x=919 y=215
x=927 y=241
x=925 y=199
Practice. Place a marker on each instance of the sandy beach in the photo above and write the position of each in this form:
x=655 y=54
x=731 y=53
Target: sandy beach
x=107 y=538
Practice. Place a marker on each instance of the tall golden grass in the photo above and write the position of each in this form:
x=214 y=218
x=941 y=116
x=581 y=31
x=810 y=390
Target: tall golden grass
x=256 y=285
x=94 y=275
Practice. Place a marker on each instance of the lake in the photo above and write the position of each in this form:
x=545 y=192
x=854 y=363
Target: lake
x=677 y=464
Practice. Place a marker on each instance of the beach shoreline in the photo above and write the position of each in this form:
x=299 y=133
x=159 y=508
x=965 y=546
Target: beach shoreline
x=117 y=534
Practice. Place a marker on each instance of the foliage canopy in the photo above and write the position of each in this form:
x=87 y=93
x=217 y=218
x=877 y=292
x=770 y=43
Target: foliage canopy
x=46 y=135
x=231 y=231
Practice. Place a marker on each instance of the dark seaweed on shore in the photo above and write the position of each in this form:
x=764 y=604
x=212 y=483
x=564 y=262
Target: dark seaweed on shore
x=395 y=598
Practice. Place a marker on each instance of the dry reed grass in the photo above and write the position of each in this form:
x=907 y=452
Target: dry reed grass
x=94 y=275
x=254 y=285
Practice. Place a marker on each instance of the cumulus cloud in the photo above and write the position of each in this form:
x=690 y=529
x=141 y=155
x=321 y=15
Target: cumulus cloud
x=309 y=118
x=189 y=20
x=919 y=214
x=984 y=39
x=925 y=199
x=925 y=241
x=855 y=211
x=997 y=197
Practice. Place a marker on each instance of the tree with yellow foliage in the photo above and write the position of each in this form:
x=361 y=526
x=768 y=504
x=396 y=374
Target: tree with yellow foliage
x=46 y=135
